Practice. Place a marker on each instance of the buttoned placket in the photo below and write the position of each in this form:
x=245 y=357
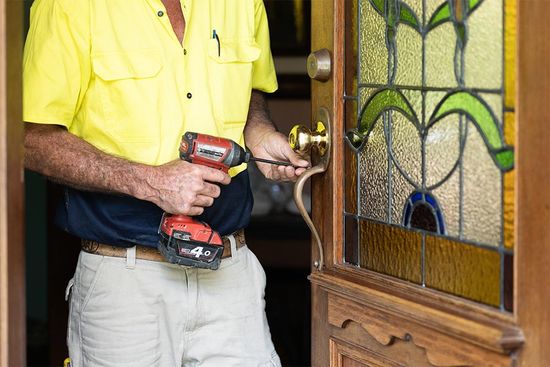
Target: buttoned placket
x=165 y=21
x=186 y=94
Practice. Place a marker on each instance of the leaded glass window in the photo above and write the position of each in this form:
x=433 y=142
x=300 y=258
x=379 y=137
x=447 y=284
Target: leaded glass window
x=429 y=103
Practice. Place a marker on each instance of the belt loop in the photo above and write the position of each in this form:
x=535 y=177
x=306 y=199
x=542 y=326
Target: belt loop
x=233 y=243
x=131 y=257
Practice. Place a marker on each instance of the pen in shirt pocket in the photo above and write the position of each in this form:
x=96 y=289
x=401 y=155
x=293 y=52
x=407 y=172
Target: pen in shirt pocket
x=215 y=36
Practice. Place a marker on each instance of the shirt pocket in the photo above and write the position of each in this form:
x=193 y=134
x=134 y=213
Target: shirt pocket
x=128 y=85
x=230 y=79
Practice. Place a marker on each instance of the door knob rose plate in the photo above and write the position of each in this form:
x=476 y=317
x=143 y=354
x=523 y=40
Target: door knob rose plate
x=317 y=142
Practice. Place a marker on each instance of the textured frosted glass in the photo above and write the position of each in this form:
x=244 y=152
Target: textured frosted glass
x=373 y=168
x=373 y=56
x=391 y=250
x=409 y=59
x=448 y=195
x=401 y=189
x=414 y=97
x=416 y=6
x=440 y=51
x=483 y=57
x=442 y=149
x=467 y=271
x=482 y=192
x=406 y=147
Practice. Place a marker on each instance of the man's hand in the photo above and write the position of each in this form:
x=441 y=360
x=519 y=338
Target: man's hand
x=179 y=187
x=264 y=141
x=274 y=146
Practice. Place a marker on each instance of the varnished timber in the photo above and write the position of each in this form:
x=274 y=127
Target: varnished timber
x=12 y=284
x=357 y=312
x=532 y=293
x=494 y=335
x=325 y=206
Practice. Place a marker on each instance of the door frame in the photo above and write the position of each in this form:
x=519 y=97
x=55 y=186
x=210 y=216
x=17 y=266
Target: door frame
x=526 y=326
x=12 y=261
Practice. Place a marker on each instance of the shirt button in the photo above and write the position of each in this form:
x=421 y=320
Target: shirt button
x=189 y=95
x=184 y=51
x=160 y=13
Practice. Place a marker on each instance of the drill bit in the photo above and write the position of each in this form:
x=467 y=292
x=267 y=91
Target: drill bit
x=278 y=163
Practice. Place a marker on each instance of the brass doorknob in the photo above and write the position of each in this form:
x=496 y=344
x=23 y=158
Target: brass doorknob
x=302 y=139
x=319 y=65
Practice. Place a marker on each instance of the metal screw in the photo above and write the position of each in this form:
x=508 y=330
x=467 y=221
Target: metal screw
x=316 y=264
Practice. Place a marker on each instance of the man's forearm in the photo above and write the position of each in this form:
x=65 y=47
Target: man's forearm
x=177 y=187
x=259 y=122
x=54 y=152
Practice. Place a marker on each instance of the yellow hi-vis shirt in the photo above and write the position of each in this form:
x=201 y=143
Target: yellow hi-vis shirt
x=114 y=73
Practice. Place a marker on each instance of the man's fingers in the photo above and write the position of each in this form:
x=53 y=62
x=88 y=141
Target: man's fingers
x=195 y=210
x=203 y=201
x=211 y=190
x=214 y=175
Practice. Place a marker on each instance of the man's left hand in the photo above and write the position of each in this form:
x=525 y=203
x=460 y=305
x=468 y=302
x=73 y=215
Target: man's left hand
x=274 y=146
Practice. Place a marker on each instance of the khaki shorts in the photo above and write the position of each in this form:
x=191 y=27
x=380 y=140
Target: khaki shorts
x=127 y=312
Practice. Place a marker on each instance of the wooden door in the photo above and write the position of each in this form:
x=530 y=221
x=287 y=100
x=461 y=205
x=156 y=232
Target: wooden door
x=434 y=210
x=12 y=285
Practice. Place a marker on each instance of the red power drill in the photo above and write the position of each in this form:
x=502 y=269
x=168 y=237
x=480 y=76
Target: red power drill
x=184 y=240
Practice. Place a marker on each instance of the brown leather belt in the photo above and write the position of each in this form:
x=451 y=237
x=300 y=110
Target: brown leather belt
x=149 y=253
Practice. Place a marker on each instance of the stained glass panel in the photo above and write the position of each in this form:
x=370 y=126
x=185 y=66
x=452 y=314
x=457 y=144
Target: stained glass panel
x=432 y=144
x=475 y=276
x=390 y=250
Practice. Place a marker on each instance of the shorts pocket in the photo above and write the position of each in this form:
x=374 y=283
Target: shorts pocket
x=230 y=78
x=90 y=272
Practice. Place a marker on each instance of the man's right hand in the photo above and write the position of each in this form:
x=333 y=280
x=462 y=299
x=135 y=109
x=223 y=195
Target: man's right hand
x=180 y=187
x=177 y=187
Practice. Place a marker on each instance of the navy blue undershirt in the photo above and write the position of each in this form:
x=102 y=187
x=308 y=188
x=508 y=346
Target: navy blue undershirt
x=126 y=221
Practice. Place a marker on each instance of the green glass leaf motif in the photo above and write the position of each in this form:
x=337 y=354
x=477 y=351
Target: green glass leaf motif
x=378 y=5
x=480 y=114
x=408 y=17
x=443 y=13
x=380 y=102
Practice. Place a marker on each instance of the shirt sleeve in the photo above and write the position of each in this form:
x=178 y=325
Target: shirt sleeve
x=263 y=77
x=56 y=62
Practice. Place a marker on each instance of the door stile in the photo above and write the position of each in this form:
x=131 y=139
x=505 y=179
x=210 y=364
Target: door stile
x=12 y=265
x=532 y=292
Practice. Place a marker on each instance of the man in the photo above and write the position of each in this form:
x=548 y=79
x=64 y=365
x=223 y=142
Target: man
x=110 y=86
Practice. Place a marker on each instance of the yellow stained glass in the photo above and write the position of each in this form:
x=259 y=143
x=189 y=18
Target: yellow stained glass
x=351 y=35
x=465 y=270
x=510 y=53
x=509 y=209
x=391 y=250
